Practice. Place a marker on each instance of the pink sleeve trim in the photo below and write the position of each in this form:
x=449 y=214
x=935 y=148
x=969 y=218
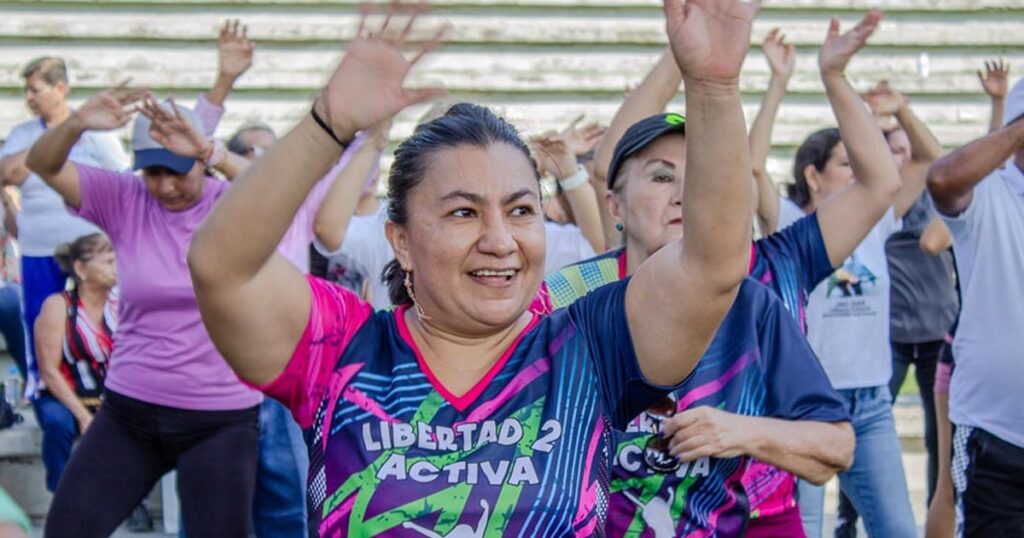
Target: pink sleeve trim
x=335 y=316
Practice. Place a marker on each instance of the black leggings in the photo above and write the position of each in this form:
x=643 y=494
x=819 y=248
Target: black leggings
x=131 y=444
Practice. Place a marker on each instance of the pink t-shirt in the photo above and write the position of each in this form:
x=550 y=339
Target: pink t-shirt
x=162 y=353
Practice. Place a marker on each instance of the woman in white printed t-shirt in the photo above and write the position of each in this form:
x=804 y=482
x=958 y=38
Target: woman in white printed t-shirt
x=848 y=313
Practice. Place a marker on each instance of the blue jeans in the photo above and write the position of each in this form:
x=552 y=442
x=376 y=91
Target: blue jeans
x=279 y=506
x=875 y=483
x=60 y=429
x=10 y=324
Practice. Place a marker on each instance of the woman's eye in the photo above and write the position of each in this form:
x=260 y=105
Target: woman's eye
x=664 y=178
x=523 y=211
x=463 y=212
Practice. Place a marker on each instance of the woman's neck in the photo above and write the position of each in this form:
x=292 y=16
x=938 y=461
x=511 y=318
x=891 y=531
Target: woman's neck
x=460 y=361
x=636 y=255
x=93 y=297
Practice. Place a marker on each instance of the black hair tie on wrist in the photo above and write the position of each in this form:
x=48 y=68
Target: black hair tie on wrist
x=323 y=125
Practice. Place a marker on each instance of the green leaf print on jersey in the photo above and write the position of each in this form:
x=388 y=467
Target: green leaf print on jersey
x=643 y=490
x=451 y=501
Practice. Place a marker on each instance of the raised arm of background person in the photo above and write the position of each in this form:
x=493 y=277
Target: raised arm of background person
x=650 y=97
x=952 y=178
x=255 y=304
x=814 y=451
x=924 y=147
x=781 y=58
x=996 y=83
x=234 y=58
x=555 y=158
x=678 y=297
x=936 y=238
x=49 y=336
x=849 y=215
x=172 y=131
x=339 y=204
x=48 y=157
x=13 y=170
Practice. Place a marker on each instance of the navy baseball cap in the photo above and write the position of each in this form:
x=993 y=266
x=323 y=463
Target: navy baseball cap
x=639 y=135
x=149 y=152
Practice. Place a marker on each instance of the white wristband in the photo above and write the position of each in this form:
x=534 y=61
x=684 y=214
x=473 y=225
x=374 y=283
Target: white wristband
x=576 y=180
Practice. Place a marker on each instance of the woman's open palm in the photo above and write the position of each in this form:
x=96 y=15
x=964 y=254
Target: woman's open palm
x=368 y=87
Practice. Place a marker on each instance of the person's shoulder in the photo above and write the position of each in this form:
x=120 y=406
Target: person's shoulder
x=53 y=307
x=27 y=127
x=23 y=135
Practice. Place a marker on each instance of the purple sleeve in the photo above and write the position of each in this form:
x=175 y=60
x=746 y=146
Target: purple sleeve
x=798 y=388
x=335 y=315
x=803 y=246
x=209 y=115
x=105 y=197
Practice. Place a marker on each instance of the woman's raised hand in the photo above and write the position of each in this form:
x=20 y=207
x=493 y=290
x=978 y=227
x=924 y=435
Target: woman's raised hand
x=368 y=87
x=710 y=38
x=171 y=130
x=781 y=55
x=110 y=109
x=837 y=50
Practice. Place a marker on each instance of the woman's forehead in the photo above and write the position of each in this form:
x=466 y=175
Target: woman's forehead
x=496 y=170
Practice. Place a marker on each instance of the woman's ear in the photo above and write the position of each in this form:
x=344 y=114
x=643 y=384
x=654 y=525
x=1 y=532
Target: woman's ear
x=78 y=267
x=813 y=178
x=399 y=240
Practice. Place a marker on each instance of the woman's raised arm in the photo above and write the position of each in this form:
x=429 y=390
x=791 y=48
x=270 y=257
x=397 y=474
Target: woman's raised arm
x=678 y=297
x=255 y=304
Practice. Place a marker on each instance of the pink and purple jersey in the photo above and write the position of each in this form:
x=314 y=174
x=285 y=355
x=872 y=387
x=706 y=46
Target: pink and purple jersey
x=759 y=364
x=523 y=453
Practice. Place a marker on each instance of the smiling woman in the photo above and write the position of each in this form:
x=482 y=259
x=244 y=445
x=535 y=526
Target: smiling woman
x=462 y=411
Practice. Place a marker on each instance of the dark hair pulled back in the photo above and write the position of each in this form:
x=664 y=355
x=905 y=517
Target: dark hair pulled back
x=81 y=249
x=464 y=124
x=816 y=150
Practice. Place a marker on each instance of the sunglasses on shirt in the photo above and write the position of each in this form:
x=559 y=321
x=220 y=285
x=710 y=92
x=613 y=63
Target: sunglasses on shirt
x=656 y=454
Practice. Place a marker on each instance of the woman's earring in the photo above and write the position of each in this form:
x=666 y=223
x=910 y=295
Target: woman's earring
x=619 y=227
x=408 y=289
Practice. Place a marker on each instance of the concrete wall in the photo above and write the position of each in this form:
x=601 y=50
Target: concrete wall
x=541 y=62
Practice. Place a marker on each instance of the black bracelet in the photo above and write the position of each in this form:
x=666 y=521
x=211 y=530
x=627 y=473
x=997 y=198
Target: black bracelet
x=323 y=125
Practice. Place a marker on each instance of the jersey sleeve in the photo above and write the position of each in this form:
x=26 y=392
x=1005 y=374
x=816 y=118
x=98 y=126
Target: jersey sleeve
x=335 y=315
x=798 y=388
x=803 y=246
x=601 y=317
x=105 y=197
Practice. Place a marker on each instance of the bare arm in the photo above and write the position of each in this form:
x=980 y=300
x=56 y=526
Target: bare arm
x=782 y=60
x=848 y=216
x=556 y=159
x=49 y=336
x=940 y=521
x=650 y=97
x=678 y=297
x=255 y=304
x=814 y=451
x=936 y=238
x=234 y=58
x=331 y=221
x=13 y=170
x=952 y=178
x=995 y=82
x=10 y=213
x=48 y=157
